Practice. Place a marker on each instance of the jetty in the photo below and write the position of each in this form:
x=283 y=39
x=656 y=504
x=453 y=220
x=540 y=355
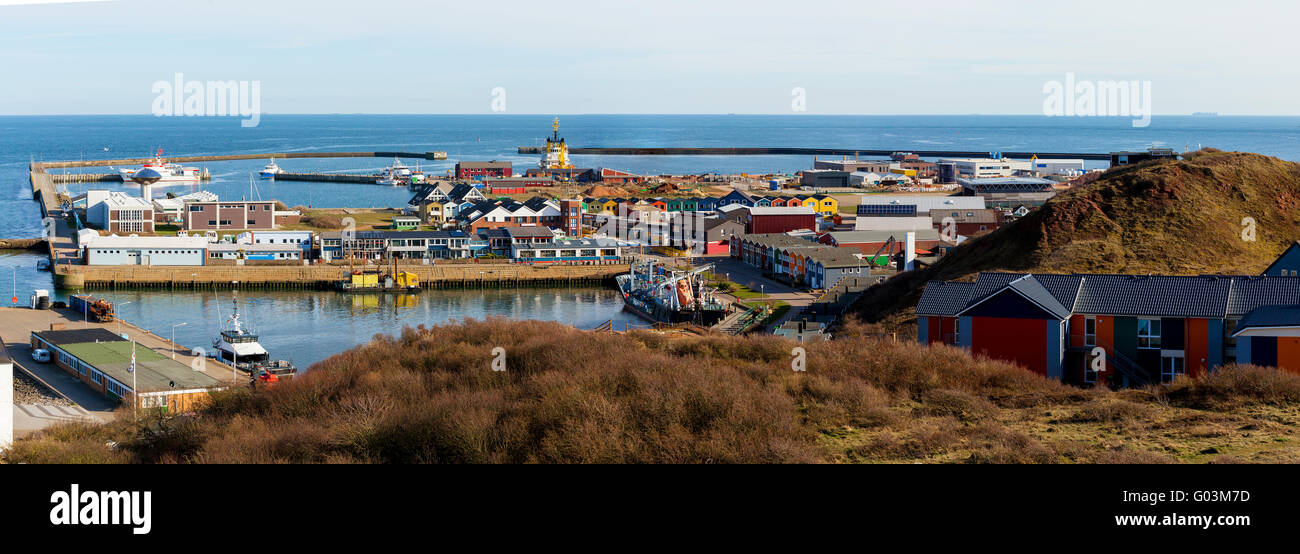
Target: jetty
x=326 y=276
x=435 y=155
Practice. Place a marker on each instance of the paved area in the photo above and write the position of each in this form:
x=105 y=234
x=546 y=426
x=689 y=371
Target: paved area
x=30 y=418
x=742 y=273
x=16 y=325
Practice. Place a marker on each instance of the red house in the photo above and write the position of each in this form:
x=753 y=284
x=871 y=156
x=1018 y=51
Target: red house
x=779 y=220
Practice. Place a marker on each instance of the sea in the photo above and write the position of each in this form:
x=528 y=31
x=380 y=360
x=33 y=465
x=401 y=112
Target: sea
x=308 y=326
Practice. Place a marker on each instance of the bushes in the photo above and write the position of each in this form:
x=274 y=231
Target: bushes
x=1235 y=385
x=429 y=395
x=324 y=221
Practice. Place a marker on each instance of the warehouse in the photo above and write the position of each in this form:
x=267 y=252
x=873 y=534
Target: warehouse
x=155 y=251
x=102 y=360
x=779 y=220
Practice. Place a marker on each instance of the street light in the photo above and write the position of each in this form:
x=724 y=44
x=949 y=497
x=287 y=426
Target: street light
x=119 y=318
x=15 y=298
x=174 y=337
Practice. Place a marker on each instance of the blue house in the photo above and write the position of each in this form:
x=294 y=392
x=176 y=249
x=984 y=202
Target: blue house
x=736 y=197
x=706 y=204
x=1286 y=265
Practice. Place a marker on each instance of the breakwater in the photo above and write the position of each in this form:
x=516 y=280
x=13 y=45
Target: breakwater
x=815 y=152
x=439 y=155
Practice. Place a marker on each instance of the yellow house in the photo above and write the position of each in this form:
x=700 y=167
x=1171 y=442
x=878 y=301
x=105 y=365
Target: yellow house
x=609 y=207
x=431 y=211
x=809 y=202
x=828 y=206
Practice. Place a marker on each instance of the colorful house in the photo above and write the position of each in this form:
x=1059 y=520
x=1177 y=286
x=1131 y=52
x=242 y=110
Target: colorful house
x=736 y=196
x=706 y=204
x=827 y=206
x=1149 y=328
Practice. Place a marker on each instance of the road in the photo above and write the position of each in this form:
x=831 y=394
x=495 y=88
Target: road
x=749 y=276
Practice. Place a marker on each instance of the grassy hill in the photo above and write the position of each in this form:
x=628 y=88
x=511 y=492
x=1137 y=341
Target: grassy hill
x=574 y=396
x=1170 y=217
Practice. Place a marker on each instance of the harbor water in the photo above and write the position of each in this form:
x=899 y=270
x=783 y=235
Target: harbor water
x=307 y=326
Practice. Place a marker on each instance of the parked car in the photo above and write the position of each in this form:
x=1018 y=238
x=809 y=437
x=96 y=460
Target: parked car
x=41 y=355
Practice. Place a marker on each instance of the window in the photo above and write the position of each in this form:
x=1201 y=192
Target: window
x=1171 y=367
x=1229 y=341
x=96 y=376
x=956 y=331
x=1090 y=331
x=1149 y=334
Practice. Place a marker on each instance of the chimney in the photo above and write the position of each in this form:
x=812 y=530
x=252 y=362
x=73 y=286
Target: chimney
x=909 y=255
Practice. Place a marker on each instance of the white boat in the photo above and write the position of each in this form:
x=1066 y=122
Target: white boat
x=398 y=169
x=271 y=170
x=239 y=347
x=389 y=181
x=172 y=174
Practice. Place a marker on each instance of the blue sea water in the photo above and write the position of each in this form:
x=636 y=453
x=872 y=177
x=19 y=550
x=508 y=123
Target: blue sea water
x=339 y=322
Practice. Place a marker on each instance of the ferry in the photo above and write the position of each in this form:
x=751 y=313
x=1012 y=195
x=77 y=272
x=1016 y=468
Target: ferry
x=171 y=174
x=270 y=171
x=239 y=347
x=398 y=170
x=660 y=295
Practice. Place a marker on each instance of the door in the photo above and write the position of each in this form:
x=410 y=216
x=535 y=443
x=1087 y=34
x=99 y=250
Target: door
x=132 y=258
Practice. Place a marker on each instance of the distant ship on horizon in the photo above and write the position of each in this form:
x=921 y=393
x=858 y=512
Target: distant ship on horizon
x=1205 y=114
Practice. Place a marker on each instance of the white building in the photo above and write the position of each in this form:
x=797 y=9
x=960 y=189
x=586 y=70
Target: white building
x=893 y=223
x=980 y=168
x=172 y=210
x=6 y=401
x=915 y=205
x=119 y=212
x=155 y=251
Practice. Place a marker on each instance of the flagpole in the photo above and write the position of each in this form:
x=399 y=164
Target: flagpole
x=135 y=395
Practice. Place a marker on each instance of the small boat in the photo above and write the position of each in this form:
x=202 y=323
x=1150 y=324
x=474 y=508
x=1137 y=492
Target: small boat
x=42 y=265
x=387 y=181
x=270 y=171
x=240 y=348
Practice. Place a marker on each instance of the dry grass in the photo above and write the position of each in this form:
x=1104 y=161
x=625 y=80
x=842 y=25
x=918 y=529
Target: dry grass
x=570 y=396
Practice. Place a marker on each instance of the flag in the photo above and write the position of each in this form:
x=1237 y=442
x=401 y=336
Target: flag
x=131 y=369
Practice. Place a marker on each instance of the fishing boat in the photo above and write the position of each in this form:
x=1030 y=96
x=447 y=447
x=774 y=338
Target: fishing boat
x=239 y=347
x=270 y=171
x=661 y=295
x=169 y=173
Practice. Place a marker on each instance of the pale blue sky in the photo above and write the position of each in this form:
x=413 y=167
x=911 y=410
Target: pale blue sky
x=665 y=56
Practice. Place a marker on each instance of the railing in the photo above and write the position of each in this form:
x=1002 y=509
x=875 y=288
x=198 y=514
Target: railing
x=1137 y=375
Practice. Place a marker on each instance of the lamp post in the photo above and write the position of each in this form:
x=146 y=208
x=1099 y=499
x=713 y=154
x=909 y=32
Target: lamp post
x=15 y=298
x=119 y=319
x=174 y=337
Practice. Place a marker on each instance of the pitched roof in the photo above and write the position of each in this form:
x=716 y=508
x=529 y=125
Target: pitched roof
x=944 y=298
x=1204 y=296
x=1269 y=316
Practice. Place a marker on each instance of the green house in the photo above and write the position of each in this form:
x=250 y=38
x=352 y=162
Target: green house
x=406 y=222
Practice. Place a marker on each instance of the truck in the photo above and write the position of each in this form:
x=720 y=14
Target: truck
x=92 y=308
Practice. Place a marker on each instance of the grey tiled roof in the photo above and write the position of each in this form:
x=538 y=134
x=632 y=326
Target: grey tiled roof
x=1249 y=293
x=1205 y=296
x=1154 y=295
x=1270 y=316
x=1032 y=289
x=1064 y=288
x=944 y=298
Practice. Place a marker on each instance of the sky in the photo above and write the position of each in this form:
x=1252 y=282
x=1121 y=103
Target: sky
x=664 y=56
